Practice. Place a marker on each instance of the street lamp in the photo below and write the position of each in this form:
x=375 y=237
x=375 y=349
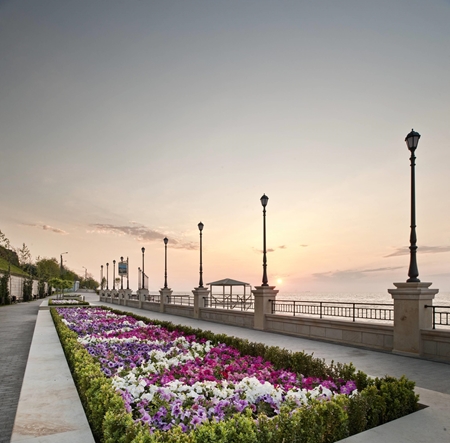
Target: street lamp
x=412 y=140
x=114 y=275
x=200 y=228
x=101 y=277
x=121 y=275
x=107 y=277
x=143 y=250
x=264 y=201
x=61 y=268
x=166 y=240
x=85 y=277
x=128 y=279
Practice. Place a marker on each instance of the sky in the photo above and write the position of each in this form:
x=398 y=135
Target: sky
x=124 y=122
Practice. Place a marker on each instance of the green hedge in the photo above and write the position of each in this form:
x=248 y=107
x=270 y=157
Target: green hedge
x=378 y=401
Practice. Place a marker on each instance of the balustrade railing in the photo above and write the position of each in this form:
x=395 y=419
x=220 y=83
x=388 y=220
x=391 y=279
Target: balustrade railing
x=440 y=317
x=366 y=311
x=231 y=301
x=181 y=299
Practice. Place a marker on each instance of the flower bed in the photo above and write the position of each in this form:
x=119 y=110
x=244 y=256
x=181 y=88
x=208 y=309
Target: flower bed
x=174 y=383
x=53 y=302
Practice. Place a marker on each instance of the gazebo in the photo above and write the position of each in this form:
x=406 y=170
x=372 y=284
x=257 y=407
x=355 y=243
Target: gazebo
x=229 y=299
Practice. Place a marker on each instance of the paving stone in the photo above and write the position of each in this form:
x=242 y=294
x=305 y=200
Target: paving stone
x=17 y=324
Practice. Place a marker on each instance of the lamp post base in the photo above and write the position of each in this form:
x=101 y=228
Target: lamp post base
x=263 y=305
x=199 y=300
x=411 y=315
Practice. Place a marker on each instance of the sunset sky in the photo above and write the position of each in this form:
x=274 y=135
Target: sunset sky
x=122 y=122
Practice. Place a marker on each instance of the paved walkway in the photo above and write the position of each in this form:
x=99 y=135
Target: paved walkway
x=17 y=323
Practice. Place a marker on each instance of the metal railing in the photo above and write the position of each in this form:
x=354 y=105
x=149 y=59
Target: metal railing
x=181 y=299
x=155 y=298
x=231 y=301
x=440 y=317
x=367 y=311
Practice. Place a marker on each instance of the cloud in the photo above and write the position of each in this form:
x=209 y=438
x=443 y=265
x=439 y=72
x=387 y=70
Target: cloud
x=421 y=249
x=140 y=233
x=304 y=246
x=46 y=228
x=351 y=274
x=260 y=251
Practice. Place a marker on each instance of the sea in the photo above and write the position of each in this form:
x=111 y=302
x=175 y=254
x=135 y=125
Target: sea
x=440 y=299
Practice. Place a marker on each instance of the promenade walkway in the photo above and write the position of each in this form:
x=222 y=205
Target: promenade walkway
x=429 y=425
x=17 y=323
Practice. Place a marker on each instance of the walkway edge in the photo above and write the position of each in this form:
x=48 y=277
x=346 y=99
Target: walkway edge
x=49 y=408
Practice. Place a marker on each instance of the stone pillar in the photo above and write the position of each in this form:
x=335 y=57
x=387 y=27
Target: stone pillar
x=263 y=306
x=411 y=315
x=114 y=298
x=199 y=295
x=164 y=298
x=142 y=296
x=127 y=294
x=120 y=296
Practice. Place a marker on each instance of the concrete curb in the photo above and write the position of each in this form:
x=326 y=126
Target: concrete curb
x=49 y=408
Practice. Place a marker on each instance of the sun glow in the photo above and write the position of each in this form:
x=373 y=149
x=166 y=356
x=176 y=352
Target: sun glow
x=279 y=280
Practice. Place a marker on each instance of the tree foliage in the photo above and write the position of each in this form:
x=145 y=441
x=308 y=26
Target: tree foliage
x=47 y=268
x=60 y=285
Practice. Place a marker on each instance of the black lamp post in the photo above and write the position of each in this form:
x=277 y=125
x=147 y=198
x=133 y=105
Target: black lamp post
x=264 y=200
x=139 y=278
x=128 y=279
x=121 y=275
x=101 y=277
x=200 y=228
x=143 y=250
x=107 y=276
x=166 y=240
x=114 y=275
x=412 y=140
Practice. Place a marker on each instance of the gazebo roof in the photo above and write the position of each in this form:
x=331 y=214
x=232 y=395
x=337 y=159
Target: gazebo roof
x=228 y=282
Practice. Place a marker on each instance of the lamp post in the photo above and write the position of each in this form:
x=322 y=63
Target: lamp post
x=200 y=228
x=101 y=277
x=128 y=279
x=121 y=275
x=114 y=275
x=166 y=240
x=85 y=277
x=412 y=140
x=143 y=250
x=61 y=266
x=264 y=200
x=107 y=277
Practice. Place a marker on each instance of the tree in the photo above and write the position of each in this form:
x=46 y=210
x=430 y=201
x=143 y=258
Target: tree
x=60 y=284
x=4 y=289
x=24 y=255
x=27 y=289
x=47 y=268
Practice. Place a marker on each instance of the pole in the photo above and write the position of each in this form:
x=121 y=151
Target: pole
x=264 y=279
x=165 y=262
x=413 y=271
x=128 y=286
x=143 y=250
x=114 y=275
